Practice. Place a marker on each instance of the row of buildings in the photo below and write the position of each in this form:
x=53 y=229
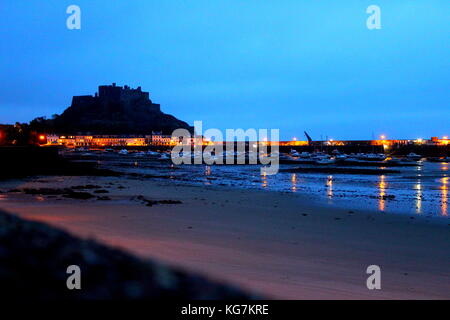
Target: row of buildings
x=158 y=139
x=434 y=141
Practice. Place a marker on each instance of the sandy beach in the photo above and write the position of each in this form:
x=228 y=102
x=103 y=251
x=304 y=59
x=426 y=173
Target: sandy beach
x=281 y=245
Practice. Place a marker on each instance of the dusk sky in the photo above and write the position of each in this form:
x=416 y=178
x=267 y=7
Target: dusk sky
x=293 y=65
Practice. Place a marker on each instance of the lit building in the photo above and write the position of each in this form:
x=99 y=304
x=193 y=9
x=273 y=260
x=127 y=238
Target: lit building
x=444 y=141
x=158 y=139
x=108 y=140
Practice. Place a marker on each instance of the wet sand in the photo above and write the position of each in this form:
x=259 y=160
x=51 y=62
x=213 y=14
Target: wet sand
x=279 y=244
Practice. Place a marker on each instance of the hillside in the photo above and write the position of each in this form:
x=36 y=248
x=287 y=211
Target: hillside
x=113 y=110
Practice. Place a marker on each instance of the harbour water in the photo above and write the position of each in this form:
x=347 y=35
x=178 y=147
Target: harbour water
x=421 y=190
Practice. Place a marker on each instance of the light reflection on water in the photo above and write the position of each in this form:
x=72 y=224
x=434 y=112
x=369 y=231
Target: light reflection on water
x=444 y=193
x=418 y=188
x=382 y=186
x=264 y=180
x=415 y=190
x=294 y=182
x=330 y=187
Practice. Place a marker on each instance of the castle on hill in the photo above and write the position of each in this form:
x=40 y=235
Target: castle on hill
x=116 y=94
x=113 y=110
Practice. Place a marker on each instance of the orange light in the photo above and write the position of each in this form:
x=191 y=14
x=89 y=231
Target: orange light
x=41 y=137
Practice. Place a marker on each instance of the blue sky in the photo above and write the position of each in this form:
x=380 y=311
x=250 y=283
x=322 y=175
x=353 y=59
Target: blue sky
x=293 y=65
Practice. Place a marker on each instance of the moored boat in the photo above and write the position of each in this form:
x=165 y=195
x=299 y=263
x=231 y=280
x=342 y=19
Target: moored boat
x=413 y=156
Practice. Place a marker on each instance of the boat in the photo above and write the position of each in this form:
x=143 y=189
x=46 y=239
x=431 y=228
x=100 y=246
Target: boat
x=414 y=156
x=305 y=155
x=152 y=153
x=371 y=157
x=319 y=156
x=335 y=152
x=139 y=154
x=274 y=154
x=294 y=153
x=393 y=160
x=164 y=156
x=341 y=157
x=185 y=154
x=123 y=152
x=352 y=159
x=326 y=161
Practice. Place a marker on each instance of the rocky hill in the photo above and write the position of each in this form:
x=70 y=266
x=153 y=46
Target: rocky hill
x=112 y=110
